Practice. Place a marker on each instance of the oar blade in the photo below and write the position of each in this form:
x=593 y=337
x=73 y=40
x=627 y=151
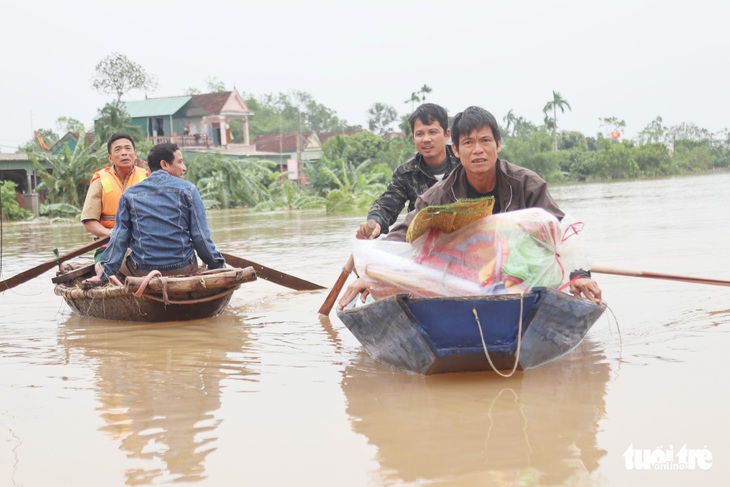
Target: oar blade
x=272 y=275
x=46 y=266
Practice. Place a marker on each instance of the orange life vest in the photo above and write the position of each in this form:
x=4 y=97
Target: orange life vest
x=112 y=191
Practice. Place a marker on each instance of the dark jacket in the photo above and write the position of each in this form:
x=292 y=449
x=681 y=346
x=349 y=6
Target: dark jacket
x=518 y=188
x=409 y=181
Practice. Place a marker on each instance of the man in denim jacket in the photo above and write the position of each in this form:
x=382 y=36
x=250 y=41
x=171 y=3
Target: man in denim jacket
x=162 y=221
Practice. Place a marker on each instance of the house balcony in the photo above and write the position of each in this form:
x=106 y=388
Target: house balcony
x=197 y=141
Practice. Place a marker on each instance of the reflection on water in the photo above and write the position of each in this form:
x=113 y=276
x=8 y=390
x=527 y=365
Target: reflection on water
x=159 y=387
x=535 y=427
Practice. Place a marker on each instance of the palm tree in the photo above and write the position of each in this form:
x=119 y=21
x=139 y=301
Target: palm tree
x=510 y=123
x=557 y=102
x=115 y=119
x=424 y=89
x=419 y=96
x=413 y=99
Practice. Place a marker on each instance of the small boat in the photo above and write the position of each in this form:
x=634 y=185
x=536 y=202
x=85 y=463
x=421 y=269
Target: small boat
x=458 y=334
x=152 y=298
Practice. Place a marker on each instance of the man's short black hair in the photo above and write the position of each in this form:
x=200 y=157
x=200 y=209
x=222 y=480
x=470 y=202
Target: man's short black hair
x=429 y=113
x=161 y=152
x=116 y=137
x=471 y=119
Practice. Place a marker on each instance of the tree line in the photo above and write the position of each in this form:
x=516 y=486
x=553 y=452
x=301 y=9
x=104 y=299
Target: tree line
x=355 y=169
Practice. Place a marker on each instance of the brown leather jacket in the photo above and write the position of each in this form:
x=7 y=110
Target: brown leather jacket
x=518 y=188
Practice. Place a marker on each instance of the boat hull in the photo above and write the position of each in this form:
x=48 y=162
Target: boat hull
x=441 y=335
x=171 y=298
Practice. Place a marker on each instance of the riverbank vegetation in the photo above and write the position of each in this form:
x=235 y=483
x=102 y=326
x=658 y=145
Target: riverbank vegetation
x=354 y=169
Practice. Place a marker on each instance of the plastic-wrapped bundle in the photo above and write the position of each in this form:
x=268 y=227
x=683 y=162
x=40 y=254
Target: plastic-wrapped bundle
x=508 y=252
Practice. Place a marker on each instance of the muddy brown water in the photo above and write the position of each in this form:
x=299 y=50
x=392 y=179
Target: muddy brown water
x=269 y=393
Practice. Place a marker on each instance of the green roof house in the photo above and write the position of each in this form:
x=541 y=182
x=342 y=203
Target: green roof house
x=192 y=121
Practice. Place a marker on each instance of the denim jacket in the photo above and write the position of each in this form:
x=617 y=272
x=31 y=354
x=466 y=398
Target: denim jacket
x=162 y=220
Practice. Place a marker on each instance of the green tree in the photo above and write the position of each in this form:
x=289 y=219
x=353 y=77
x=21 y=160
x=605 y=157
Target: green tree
x=418 y=96
x=653 y=160
x=226 y=182
x=116 y=74
x=394 y=152
x=215 y=85
x=510 y=121
x=572 y=140
x=692 y=158
x=687 y=131
x=380 y=117
x=212 y=85
x=66 y=177
x=290 y=195
x=557 y=103
x=115 y=119
x=533 y=152
x=354 y=186
x=356 y=148
x=612 y=160
x=69 y=124
x=291 y=113
x=653 y=133
x=11 y=210
x=612 y=124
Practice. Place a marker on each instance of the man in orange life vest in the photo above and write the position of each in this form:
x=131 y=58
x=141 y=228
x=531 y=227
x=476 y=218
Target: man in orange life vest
x=108 y=184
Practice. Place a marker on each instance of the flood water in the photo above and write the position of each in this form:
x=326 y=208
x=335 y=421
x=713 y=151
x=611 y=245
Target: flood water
x=269 y=393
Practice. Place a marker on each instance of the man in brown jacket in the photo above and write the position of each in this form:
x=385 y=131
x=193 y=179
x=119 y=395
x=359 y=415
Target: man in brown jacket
x=476 y=141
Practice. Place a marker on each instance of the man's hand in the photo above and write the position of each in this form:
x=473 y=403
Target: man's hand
x=94 y=227
x=368 y=230
x=588 y=288
x=357 y=287
x=91 y=282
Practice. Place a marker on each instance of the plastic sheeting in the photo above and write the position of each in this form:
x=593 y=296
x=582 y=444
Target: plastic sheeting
x=503 y=253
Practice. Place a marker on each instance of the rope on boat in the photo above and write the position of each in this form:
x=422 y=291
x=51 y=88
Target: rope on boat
x=147 y=280
x=519 y=340
x=188 y=301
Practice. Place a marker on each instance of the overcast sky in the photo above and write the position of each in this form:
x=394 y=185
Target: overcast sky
x=630 y=59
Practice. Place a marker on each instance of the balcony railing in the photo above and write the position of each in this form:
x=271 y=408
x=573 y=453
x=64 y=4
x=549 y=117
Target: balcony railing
x=197 y=141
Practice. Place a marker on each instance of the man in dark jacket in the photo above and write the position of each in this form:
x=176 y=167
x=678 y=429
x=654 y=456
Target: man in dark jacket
x=433 y=162
x=477 y=142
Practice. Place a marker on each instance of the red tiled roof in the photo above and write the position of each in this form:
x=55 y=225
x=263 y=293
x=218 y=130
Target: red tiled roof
x=271 y=143
x=281 y=143
x=212 y=102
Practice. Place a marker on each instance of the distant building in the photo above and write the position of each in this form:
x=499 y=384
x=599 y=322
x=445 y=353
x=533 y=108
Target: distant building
x=19 y=169
x=70 y=140
x=192 y=121
x=295 y=149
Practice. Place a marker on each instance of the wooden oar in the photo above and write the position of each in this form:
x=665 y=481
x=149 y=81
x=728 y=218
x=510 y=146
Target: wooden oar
x=40 y=269
x=335 y=291
x=277 y=277
x=656 y=275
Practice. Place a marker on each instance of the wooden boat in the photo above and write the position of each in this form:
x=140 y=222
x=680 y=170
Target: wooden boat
x=168 y=298
x=439 y=335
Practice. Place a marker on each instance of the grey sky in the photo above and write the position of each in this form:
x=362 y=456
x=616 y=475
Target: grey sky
x=631 y=59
